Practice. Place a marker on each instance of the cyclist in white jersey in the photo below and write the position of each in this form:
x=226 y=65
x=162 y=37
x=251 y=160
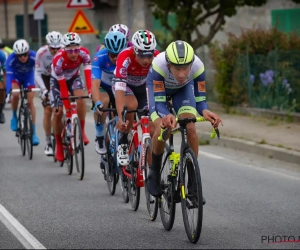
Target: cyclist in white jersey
x=42 y=75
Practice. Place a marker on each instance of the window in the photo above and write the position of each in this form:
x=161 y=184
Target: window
x=33 y=26
x=286 y=20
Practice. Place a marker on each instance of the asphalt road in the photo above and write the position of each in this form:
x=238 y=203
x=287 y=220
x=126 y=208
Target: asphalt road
x=249 y=198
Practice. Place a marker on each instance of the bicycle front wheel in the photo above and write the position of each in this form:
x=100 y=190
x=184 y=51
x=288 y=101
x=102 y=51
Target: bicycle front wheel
x=151 y=201
x=21 y=131
x=53 y=142
x=28 y=133
x=78 y=149
x=191 y=195
x=110 y=176
x=167 y=204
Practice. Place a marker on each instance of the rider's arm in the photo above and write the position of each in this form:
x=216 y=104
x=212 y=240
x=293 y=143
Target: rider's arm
x=87 y=69
x=3 y=66
x=39 y=69
x=9 y=72
x=96 y=78
x=200 y=90
x=156 y=90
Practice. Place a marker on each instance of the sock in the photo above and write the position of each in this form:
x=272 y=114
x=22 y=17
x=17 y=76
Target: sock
x=14 y=113
x=1 y=107
x=48 y=139
x=123 y=138
x=99 y=129
x=156 y=162
x=82 y=123
x=58 y=139
x=33 y=129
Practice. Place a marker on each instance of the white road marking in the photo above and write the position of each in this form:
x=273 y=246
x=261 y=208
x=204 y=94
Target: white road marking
x=210 y=155
x=21 y=233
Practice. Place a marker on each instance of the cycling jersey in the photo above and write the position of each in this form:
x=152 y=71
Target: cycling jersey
x=129 y=71
x=189 y=95
x=102 y=67
x=2 y=63
x=18 y=72
x=42 y=65
x=64 y=69
x=102 y=46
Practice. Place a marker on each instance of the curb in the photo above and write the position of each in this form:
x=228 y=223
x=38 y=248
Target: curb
x=269 y=151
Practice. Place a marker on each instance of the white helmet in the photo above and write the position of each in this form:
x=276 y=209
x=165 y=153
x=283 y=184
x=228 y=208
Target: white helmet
x=143 y=40
x=122 y=28
x=54 y=39
x=20 y=46
x=71 y=38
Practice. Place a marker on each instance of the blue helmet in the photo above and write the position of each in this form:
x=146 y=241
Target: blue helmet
x=115 y=42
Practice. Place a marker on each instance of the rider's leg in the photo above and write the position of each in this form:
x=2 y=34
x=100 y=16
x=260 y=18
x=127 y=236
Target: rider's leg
x=2 y=100
x=47 y=128
x=14 y=106
x=100 y=146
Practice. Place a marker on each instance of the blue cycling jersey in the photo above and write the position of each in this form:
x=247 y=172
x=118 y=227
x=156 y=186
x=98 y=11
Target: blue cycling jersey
x=21 y=73
x=102 y=67
x=2 y=62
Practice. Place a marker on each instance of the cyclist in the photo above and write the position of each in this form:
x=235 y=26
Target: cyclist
x=19 y=71
x=118 y=27
x=178 y=73
x=65 y=76
x=2 y=85
x=42 y=74
x=130 y=84
x=103 y=66
x=7 y=51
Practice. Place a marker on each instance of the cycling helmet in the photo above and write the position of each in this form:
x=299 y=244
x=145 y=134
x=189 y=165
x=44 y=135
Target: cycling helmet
x=179 y=53
x=20 y=46
x=115 y=42
x=143 y=40
x=122 y=28
x=70 y=39
x=54 y=39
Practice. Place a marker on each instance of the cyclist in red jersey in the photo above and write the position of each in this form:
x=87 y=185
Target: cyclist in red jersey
x=130 y=84
x=65 y=76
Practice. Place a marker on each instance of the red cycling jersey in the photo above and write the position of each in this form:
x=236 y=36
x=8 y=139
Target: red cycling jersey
x=130 y=70
x=64 y=69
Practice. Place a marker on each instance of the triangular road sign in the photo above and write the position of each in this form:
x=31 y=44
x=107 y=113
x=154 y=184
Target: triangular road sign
x=81 y=24
x=80 y=4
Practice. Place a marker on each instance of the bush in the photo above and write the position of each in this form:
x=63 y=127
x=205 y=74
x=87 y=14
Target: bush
x=244 y=64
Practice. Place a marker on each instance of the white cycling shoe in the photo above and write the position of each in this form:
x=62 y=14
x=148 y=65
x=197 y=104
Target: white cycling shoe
x=122 y=155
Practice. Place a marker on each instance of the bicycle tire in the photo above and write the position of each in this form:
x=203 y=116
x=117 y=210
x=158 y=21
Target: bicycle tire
x=28 y=133
x=78 y=150
x=124 y=186
x=68 y=157
x=133 y=189
x=167 y=190
x=189 y=158
x=110 y=176
x=21 y=122
x=151 y=201
x=53 y=142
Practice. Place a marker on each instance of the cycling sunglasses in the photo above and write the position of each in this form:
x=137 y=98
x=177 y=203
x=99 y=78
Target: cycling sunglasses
x=112 y=56
x=23 y=55
x=71 y=51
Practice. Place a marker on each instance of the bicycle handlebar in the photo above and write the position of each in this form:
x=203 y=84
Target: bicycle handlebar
x=25 y=90
x=184 y=121
x=58 y=98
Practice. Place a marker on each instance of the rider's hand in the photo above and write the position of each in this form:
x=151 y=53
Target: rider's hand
x=98 y=105
x=212 y=117
x=121 y=126
x=169 y=121
x=44 y=94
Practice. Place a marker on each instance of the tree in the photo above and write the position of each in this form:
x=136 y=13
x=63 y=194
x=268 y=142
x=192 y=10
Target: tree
x=191 y=14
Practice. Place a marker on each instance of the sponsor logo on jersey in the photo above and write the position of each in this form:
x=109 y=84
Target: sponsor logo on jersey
x=95 y=58
x=126 y=62
x=201 y=86
x=123 y=72
x=158 y=86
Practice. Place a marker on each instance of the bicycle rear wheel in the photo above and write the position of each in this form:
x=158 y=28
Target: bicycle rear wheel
x=191 y=195
x=133 y=189
x=78 y=149
x=167 y=205
x=21 y=131
x=124 y=185
x=151 y=201
x=28 y=133
x=53 y=142
x=68 y=157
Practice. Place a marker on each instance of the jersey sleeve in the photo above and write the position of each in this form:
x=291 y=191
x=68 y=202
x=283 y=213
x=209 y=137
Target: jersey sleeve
x=156 y=91
x=87 y=68
x=39 y=69
x=96 y=67
x=3 y=61
x=200 y=90
x=57 y=63
x=123 y=62
x=10 y=76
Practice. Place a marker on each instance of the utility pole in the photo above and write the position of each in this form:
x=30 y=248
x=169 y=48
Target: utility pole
x=26 y=20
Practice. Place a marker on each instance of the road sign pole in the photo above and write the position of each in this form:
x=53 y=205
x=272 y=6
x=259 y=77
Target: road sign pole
x=38 y=8
x=40 y=33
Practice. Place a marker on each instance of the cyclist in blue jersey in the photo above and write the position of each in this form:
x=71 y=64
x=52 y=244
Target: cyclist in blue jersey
x=2 y=85
x=20 y=71
x=103 y=66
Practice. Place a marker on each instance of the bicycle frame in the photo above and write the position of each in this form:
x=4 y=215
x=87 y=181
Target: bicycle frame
x=144 y=123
